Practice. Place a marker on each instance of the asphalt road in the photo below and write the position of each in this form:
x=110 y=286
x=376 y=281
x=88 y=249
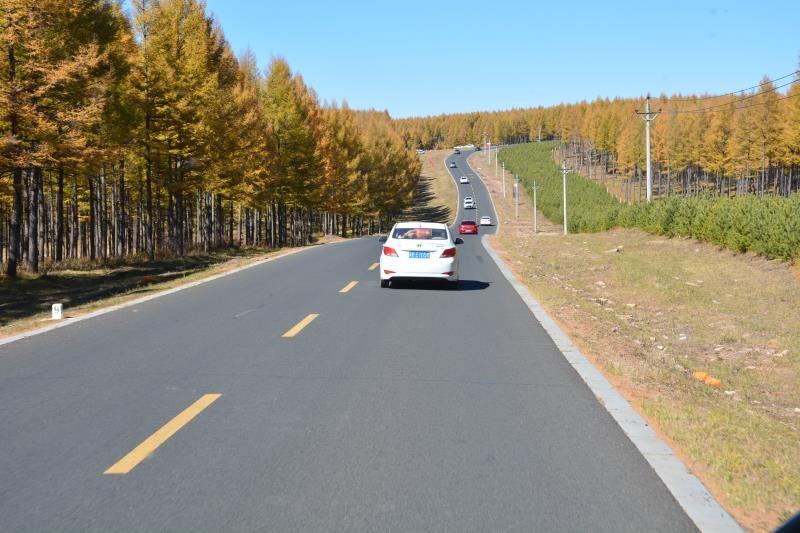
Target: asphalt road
x=404 y=409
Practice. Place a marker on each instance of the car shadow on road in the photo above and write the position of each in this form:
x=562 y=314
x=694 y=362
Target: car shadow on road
x=435 y=285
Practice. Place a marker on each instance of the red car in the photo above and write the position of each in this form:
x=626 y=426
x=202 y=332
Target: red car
x=468 y=226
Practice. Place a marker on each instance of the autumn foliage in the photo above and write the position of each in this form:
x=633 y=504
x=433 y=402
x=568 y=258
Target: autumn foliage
x=145 y=134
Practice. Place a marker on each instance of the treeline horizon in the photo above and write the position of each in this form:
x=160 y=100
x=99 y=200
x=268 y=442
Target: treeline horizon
x=750 y=137
x=144 y=134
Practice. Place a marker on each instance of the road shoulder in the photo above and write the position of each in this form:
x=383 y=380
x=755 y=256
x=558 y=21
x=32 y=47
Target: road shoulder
x=687 y=489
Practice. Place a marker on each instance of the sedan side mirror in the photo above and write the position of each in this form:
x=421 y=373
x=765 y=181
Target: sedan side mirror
x=458 y=240
x=383 y=239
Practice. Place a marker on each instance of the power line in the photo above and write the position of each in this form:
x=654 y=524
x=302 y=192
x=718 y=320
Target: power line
x=732 y=103
x=777 y=100
x=734 y=92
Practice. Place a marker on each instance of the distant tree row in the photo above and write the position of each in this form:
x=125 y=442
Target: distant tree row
x=751 y=136
x=146 y=134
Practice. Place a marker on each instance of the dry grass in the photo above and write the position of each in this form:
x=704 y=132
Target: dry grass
x=445 y=194
x=658 y=310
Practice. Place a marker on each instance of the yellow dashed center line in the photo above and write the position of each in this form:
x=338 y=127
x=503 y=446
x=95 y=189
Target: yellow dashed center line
x=300 y=325
x=349 y=286
x=373 y=266
x=149 y=445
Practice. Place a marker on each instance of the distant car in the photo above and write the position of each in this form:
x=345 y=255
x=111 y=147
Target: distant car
x=420 y=151
x=468 y=226
x=457 y=151
x=419 y=250
x=463 y=179
x=452 y=164
x=469 y=203
x=486 y=220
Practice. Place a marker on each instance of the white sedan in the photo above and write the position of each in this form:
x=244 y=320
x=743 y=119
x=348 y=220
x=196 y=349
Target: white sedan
x=486 y=221
x=419 y=250
x=463 y=179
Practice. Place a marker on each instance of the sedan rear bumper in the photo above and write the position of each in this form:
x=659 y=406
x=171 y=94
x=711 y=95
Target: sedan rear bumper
x=395 y=268
x=419 y=276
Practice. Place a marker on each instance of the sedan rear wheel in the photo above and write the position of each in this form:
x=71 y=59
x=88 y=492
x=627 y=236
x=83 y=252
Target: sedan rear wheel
x=384 y=283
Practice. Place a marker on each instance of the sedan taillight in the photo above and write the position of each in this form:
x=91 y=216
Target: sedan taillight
x=389 y=251
x=450 y=252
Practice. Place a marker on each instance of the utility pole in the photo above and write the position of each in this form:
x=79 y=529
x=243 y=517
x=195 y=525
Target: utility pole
x=540 y=132
x=535 y=222
x=648 y=117
x=564 y=180
x=504 y=179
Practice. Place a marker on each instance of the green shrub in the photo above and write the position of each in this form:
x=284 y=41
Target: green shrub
x=591 y=208
x=768 y=226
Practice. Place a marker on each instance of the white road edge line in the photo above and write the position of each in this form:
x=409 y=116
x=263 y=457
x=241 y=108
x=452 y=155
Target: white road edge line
x=690 y=493
x=69 y=321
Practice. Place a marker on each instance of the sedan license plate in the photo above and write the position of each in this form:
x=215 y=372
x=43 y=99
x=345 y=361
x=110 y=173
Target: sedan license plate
x=419 y=255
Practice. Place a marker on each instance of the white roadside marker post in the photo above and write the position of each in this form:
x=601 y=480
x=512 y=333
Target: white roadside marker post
x=57 y=311
x=535 y=224
x=516 y=197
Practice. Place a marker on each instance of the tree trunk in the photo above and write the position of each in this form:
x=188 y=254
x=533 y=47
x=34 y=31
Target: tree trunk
x=59 y=244
x=121 y=230
x=103 y=218
x=230 y=224
x=33 y=221
x=16 y=223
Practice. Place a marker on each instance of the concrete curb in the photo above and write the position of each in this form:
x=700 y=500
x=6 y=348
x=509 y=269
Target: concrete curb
x=690 y=493
x=137 y=301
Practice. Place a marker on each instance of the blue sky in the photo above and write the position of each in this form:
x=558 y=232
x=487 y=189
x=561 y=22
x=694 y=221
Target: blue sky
x=419 y=58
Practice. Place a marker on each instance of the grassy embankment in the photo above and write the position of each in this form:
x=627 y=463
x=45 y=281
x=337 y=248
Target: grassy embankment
x=769 y=226
x=652 y=311
x=436 y=196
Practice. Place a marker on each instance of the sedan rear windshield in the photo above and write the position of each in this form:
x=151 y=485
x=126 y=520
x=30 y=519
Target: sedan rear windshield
x=436 y=234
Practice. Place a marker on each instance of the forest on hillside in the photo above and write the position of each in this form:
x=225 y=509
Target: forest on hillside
x=743 y=142
x=144 y=134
